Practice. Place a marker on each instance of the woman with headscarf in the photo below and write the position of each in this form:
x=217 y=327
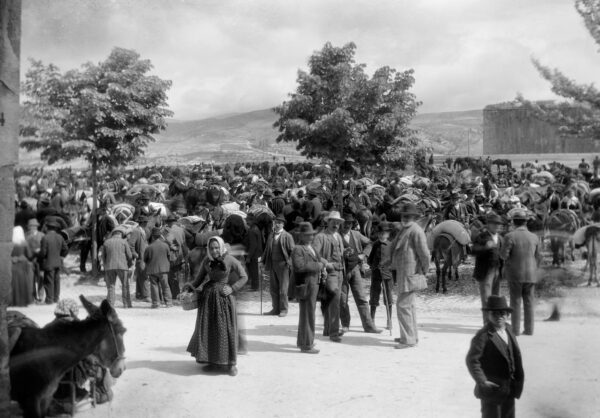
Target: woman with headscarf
x=22 y=270
x=215 y=338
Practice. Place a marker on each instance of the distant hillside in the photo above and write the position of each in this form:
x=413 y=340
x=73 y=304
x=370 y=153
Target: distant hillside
x=251 y=137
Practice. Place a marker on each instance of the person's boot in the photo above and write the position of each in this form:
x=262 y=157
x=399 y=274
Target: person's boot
x=555 y=316
x=373 y=310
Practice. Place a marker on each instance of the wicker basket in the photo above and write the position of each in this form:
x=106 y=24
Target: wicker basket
x=189 y=300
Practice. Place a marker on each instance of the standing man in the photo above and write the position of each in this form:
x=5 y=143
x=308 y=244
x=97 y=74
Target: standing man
x=329 y=245
x=175 y=236
x=486 y=247
x=410 y=260
x=156 y=258
x=52 y=248
x=138 y=242
x=34 y=240
x=276 y=259
x=380 y=273
x=521 y=254
x=494 y=361
x=354 y=247
x=254 y=247
x=117 y=258
x=278 y=202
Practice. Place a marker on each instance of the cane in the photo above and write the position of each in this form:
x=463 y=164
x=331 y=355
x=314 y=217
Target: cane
x=385 y=300
x=260 y=285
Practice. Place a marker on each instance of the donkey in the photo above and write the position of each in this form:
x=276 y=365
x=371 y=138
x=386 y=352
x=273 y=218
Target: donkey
x=41 y=356
x=446 y=248
x=592 y=243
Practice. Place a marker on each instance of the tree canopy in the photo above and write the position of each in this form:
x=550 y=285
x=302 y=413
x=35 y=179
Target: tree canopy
x=105 y=112
x=579 y=115
x=339 y=112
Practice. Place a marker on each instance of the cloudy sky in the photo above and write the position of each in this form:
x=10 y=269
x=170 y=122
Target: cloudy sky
x=227 y=56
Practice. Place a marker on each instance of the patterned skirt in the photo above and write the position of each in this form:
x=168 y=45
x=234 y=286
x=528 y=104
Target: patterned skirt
x=215 y=337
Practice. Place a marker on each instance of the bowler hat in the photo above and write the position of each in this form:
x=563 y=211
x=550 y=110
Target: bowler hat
x=348 y=217
x=519 y=214
x=298 y=220
x=409 y=209
x=384 y=226
x=334 y=215
x=33 y=222
x=306 y=228
x=267 y=193
x=493 y=218
x=52 y=224
x=496 y=303
x=279 y=218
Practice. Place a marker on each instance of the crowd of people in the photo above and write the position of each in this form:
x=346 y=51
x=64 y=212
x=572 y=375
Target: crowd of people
x=216 y=231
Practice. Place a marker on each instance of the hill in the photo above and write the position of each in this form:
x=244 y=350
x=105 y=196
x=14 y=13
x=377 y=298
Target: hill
x=251 y=137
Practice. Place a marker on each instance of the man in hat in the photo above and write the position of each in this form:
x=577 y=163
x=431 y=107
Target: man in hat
x=355 y=245
x=175 y=236
x=380 y=272
x=52 y=248
x=157 y=263
x=329 y=245
x=60 y=196
x=308 y=267
x=486 y=247
x=277 y=261
x=254 y=247
x=521 y=252
x=312 y=207
x=410 y=260
x=117 y=258
x=278 y=202
x=142 y=205
x=34 y=240
x=456 y=210
x=138 y=242
x=495 y=363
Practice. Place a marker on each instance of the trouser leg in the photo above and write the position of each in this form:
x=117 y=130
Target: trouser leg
x=375 y=290
x=166 y=291
x=110 y=277
x=142 y=283
x=124 y=276
x=485 y=290
x=515 y=304
x=253 y=273
x=49 y=285
x=362 y=303
x=528 y=294
x=407 y=318
x=306 y=319
x=344 y=308
x=284 y=284
x=56 y=285
x=274 y=289
x=154 y=279
x=333 y=285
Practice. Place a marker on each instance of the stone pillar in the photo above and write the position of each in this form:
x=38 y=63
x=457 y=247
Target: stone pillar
x=10 y=45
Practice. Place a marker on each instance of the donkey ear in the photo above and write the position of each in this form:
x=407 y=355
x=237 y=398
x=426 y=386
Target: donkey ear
x=107 y=310
x=89 y=306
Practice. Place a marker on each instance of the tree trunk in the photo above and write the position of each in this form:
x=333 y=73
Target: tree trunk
x=10 y=50
x=94 y=219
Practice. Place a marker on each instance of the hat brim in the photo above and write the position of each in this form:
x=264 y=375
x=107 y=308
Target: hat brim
x=341 y=220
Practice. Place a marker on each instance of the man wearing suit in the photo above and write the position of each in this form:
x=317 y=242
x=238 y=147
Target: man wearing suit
x=354 y=247
x=486 y=247
x=276 y=259
x=329 y=245
x=521 y=254
x=307 y=270
x=52 y=248
x=254 y=247
x=117 y=258
x=138 y=243
x=312 y=208
x=495 y=363
x=156 y=258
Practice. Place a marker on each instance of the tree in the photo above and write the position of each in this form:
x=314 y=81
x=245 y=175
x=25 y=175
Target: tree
x=105 y=113
x=338 y=112
x=10 y=50
x=579 y=116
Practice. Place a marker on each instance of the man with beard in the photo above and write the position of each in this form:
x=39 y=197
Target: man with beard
x=328 y=245
x=277 y=261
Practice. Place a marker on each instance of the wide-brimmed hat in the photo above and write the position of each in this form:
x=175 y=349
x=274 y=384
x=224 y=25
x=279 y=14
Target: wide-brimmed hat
x=156 y=232
x=52 y=224
x=306 y=228
x=279 y=218
x=33 y=222
x=519 y=214
x=171 y=218
x=493 y=218
x=120 y=229
x=496 y=303
x=334 y=215
x=348 y=217
x=268 y=193
x=277 y=190
x=298 y=220
x=409 y=209
x=384 y=226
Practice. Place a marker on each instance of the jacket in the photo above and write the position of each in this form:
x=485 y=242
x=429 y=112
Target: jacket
x=487 y=359
x=307 y=267
x=52 y=247
x=409 y=257
x=156 y=257
x=287 y=245
x=254 y=243
x=521 y=254
x=486 y=259
x=138 y=242
x=324 y=244
x=116 y=254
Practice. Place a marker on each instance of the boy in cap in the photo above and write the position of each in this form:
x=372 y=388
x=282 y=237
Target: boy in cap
x=495 y=363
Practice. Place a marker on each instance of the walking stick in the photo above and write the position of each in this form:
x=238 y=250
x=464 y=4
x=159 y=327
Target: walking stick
x=388 y=314
x=260 y=285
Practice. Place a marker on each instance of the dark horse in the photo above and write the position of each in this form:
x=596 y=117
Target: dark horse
x=561 y=224
x=41 y=356
x=446 y=248
x=499 y=162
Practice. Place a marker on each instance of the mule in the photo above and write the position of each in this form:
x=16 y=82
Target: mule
x=446 y=248
x=41 y=356
x=561 y=225
x=592 y=243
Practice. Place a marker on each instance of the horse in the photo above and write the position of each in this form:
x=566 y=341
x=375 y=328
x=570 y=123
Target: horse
x=592 y=242
x=500 y=162
x=41 y=356
x=446 y=248
x=561 y=224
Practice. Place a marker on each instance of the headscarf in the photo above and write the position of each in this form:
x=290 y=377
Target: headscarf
x=18 y=236
x=217 y=263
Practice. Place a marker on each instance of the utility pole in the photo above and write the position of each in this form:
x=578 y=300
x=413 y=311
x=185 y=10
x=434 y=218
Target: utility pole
x=10 y=53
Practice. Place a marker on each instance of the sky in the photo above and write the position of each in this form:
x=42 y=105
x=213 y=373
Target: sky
x=233 y=56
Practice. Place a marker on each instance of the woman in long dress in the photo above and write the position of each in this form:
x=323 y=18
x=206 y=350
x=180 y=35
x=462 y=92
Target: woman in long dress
x=215 y=338
x=22 y=270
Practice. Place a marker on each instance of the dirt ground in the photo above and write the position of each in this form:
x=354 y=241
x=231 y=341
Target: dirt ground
x=362 y=376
